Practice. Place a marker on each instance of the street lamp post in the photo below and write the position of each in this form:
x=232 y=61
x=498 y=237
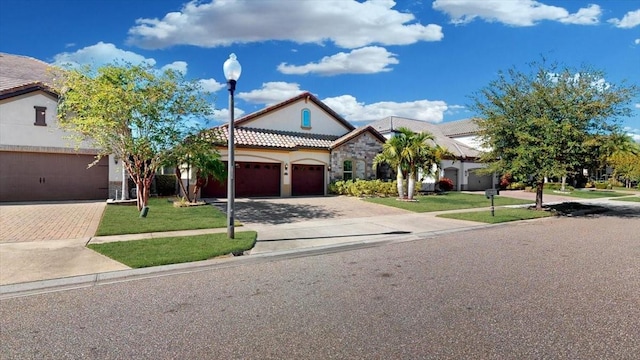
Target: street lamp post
x=232 y=70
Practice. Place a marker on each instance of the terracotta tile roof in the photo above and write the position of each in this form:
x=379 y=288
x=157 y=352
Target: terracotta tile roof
x=20 y=74
x=459 y=128
x=309 y=96
x=356 y=133
x=390 y=125
x=262 y=138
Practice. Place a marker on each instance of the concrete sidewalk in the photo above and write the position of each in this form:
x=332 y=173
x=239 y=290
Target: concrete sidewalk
x=38 y=261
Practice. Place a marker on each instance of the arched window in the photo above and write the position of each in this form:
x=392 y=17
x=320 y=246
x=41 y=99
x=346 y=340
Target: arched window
x=306 y=119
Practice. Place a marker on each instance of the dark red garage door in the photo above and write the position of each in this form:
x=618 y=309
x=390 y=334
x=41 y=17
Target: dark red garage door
x=46 y=176
x=307 y=180
x=252 y=180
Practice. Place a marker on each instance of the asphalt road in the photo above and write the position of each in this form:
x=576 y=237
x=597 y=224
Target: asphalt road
x=565 y=288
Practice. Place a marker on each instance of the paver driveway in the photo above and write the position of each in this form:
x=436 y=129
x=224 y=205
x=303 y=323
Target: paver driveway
x=49 y=221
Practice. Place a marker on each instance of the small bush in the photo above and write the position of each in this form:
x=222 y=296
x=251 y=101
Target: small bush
x=601 y=185
x=445 y=184
x=166 y=185
x=516 y=186
x=365 y=188
x=505 y=181
x=558 y=187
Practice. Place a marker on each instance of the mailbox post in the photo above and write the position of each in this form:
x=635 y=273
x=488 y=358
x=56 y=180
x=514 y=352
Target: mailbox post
x=490 y=193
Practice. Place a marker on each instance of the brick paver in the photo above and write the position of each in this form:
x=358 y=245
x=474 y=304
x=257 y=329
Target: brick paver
x=49 y=221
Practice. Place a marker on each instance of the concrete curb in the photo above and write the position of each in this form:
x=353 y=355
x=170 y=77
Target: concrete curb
x=85 y=281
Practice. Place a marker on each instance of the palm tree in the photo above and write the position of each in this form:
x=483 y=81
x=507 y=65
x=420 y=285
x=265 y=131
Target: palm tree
x=410 y=152
x=416 y=151
x=391 y=155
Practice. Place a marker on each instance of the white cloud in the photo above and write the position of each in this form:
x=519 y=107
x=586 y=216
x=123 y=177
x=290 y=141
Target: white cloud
x=347 y=23
x=636 y=41
x=271 y=93
x=222 y=115
x=630 y=20
x=366 y=60
x=101 y=54
x=637 y=106
x=352 y=110
x=179 y=66
x=515 y=12
x=211 y=85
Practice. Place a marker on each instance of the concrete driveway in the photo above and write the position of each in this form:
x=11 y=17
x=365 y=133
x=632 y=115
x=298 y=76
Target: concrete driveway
x=277 y=211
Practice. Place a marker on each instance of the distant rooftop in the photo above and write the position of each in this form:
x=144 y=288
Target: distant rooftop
x=459 y=128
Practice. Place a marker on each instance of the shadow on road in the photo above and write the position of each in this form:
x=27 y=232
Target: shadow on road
x=259 y=212
x=574 y=209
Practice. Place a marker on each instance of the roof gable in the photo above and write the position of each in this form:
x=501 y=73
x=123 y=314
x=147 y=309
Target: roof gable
x=21 y=72
x=358 y=132
x=286 y=116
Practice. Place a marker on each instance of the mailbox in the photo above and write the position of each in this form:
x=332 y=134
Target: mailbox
x=491 y=192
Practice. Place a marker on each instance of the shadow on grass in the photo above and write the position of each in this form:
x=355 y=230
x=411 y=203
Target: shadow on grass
x=574 y=209
x=265 y=212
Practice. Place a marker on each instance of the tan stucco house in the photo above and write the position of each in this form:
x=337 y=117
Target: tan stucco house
x=295 y=148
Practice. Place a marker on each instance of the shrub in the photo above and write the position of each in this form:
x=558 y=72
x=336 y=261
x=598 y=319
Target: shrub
x=558 y=186
x=601 y=185
x=516 y=186
x=505 y=181
x=445 y=184
x=362 y=188
x=165 y=185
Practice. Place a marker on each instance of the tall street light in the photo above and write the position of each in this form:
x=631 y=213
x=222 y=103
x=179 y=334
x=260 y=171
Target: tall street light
x=232 y=70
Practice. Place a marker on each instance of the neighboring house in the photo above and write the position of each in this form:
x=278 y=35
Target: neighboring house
x=458 y=138
x=37 y=162
x=295 y=148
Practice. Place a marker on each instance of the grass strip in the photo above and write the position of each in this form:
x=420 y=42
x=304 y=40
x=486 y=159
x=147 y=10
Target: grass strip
x=447 y=201
x=586 y=194
x=630 y=199
x=175 y=250
x=162 y=216
x=501 y=215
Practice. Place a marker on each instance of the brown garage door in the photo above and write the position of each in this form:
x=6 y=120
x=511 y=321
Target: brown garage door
x=47 y=177
x=252 y=180
x=307 y=180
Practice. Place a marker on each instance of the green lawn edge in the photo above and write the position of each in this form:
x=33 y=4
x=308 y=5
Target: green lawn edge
x=501 y=215
x=175 y=250
x=633 y=198
x=447 y=201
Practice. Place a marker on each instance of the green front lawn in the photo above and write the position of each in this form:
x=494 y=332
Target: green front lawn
x=175 y=250
x=501 y=215
x=162 y=216
x=586 y=194
x=447 y=201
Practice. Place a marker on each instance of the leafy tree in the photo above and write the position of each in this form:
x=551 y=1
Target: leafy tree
x=541 y=123
x=131 y=111
x=626 y=163
x=197 y=153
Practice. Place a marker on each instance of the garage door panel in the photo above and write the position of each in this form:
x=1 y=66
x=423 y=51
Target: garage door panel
x=307 y=180
x=479 y=182
x=252 y=180
x=47 y=177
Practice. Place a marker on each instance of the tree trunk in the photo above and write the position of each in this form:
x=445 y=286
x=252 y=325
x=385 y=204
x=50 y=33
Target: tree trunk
x=539 y=189
x=139 y=191
x=564 y=181
x=184 y=191
x=399 y=180
x=411 y=185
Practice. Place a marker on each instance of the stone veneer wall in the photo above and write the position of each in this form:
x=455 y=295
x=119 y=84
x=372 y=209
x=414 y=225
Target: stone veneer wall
x=364 y=147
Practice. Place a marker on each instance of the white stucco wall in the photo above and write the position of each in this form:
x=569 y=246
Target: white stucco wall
x=17 y=118
x=289 y=118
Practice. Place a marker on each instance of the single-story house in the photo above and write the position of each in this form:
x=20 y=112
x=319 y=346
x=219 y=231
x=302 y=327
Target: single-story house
x=459 y=138
x=295 y=148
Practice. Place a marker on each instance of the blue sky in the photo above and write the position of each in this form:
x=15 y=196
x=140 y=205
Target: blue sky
x=365 y=59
